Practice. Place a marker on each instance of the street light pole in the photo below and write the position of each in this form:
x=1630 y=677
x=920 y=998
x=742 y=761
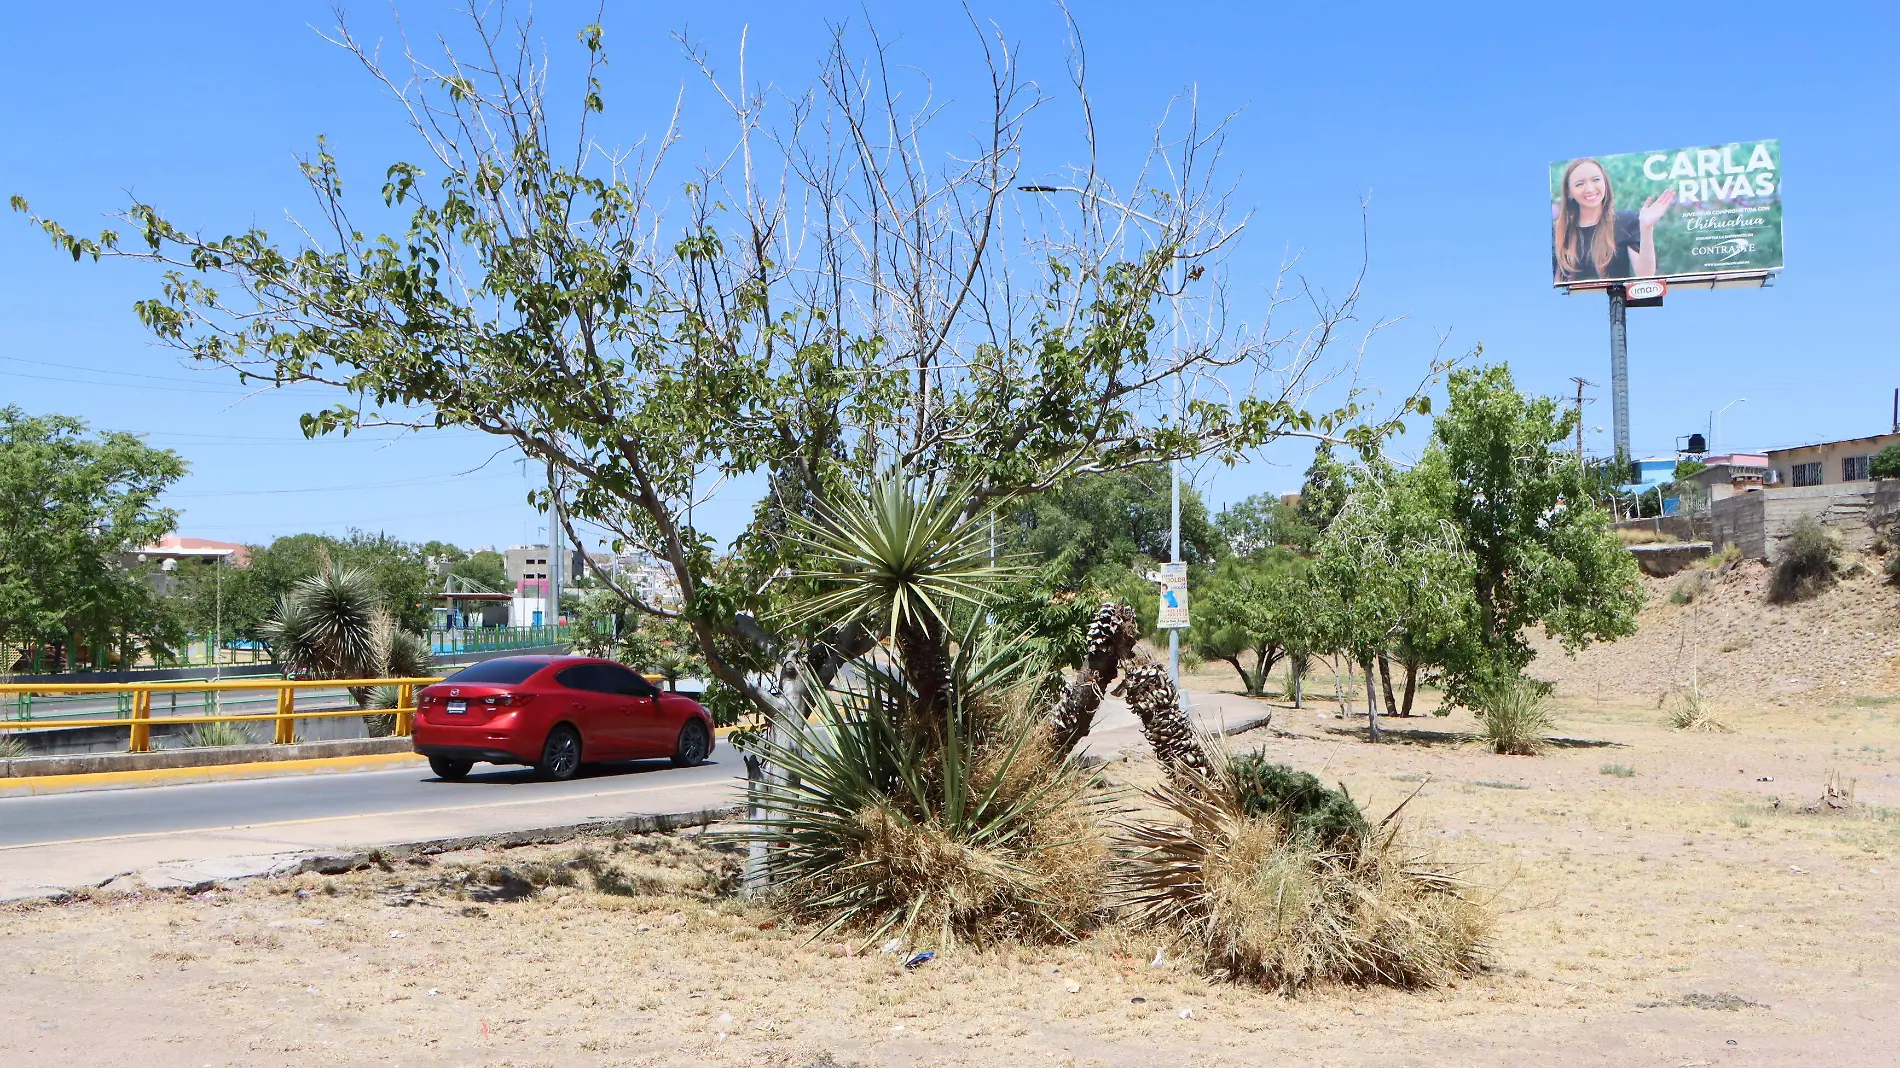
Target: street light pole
x=1174 y=484
x=1715 y=423
x=1174 y=466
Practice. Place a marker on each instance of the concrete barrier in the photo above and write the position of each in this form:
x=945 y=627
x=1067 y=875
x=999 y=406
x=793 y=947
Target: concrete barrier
x=97 y=763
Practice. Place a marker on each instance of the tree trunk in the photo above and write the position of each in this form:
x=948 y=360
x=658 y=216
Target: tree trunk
x=1266 y=656
x=1154 y=700
x=1411 y=685
x=1385 y=680
x=1372 y=703
x=1112 y=634
x=1246 y=680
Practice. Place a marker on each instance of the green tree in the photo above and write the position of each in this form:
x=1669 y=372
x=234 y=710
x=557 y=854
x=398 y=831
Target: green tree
x=1111 y=520
x=1398 y=580
x=1263 y=522
x=1323 y=493
x=71 y=503
x=1886 y=463
x=1238 y=615
x=1541 y=550
x=652 y=340
x=485 y=568
x=239 y=602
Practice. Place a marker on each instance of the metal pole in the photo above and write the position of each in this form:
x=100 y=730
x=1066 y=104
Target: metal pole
x=1620 y=376
x=556 y=570
x=1174 y=486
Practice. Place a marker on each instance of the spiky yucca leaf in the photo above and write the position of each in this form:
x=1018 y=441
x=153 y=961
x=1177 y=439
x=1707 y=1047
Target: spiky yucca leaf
x=896 y=558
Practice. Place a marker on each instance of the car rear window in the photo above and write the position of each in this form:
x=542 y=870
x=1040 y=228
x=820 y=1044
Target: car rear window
x=506 y=669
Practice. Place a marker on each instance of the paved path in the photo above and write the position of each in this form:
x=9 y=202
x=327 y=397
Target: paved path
x=78 y=839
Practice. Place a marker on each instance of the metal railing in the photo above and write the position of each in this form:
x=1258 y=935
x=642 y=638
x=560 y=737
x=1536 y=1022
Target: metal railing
x=198 y=651
x=134 y=701
x=495 y=639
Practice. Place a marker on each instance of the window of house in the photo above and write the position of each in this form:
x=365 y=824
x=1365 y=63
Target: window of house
x=1854 y=468
x=1808 y=474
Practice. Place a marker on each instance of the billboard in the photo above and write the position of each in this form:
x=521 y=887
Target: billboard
x=1686 y=212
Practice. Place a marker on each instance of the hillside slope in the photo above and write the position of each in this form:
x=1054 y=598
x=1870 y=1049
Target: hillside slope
x=1842 y=644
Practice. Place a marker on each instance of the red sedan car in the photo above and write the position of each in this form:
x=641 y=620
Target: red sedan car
x=556 y=713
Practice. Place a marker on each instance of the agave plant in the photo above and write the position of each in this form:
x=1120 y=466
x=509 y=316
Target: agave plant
x=899 y=562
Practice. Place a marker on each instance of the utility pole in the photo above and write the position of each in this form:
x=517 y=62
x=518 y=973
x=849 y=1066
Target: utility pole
x=1581 y=401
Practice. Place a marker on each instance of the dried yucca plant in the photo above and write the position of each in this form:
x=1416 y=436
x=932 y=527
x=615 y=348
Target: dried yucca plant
x=1261 y=903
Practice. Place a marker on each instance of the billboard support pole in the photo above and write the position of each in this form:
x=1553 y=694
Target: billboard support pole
x=1620 y=375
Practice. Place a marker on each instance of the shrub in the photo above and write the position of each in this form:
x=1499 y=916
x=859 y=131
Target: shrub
x=1514 y=713
x=1809 y=556
x=1689 y=711
x=1893 y=569
x=1306 y=807
x=1886 y=463
x=217 y=735
x=1621 y=771
x=1262 y=903
x=11 y=747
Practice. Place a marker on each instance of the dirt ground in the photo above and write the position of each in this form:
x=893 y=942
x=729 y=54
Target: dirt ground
x=1661 y=900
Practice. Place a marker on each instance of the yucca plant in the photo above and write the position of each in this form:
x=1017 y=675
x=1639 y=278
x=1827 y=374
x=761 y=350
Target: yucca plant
x=217 y=735
x=327 y=624
x=1514 y=714
x=900 y=561
x=975 y=834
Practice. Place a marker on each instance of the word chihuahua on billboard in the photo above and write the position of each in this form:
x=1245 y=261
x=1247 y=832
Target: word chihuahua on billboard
x=1689 y=212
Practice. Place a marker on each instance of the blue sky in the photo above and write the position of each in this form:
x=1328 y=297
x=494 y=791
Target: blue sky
x=1445 y=115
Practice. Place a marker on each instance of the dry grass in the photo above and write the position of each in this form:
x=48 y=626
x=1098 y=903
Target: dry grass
x=1638 y=536
x=1629 y=909
x=1689 y=710
x=1260 y=904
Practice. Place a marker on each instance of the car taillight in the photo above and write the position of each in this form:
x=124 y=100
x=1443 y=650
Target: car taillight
x=508 y=700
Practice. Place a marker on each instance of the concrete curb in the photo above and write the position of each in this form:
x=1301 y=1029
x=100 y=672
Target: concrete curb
x=102 y=763
x=197 y=876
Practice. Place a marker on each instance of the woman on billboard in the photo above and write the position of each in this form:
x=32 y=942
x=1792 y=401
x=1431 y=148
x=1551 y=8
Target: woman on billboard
x=1595 y=240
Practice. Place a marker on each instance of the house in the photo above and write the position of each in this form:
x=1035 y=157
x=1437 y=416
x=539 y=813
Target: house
x=171 y=550
x=1830 y=462
x=1732 y=473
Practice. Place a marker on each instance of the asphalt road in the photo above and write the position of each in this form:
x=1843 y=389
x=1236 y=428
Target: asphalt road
x=209 y=807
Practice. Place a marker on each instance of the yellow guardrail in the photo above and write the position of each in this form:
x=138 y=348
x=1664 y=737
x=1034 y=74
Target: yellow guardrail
x=284 y=718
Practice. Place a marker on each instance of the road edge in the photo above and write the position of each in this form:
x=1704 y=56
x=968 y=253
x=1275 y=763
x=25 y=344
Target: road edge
x=197 y=876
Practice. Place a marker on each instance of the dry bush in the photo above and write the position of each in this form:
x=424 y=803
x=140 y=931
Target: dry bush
x=1809 y=556
x=1638 y=536
x=1514 y=712
x=1263 y=905
x=1689 y=710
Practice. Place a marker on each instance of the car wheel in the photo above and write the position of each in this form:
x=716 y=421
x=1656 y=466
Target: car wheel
x=693 y=746
x=560 y=754
x=450 y=769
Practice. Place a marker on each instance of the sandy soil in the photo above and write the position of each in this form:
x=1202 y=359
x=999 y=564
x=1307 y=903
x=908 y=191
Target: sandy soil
x=1686 y=913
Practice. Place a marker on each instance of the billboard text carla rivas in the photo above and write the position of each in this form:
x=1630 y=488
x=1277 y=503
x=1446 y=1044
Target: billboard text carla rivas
x=1687 y=211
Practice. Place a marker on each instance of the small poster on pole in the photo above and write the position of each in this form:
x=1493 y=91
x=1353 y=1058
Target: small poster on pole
x=1174 y=597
